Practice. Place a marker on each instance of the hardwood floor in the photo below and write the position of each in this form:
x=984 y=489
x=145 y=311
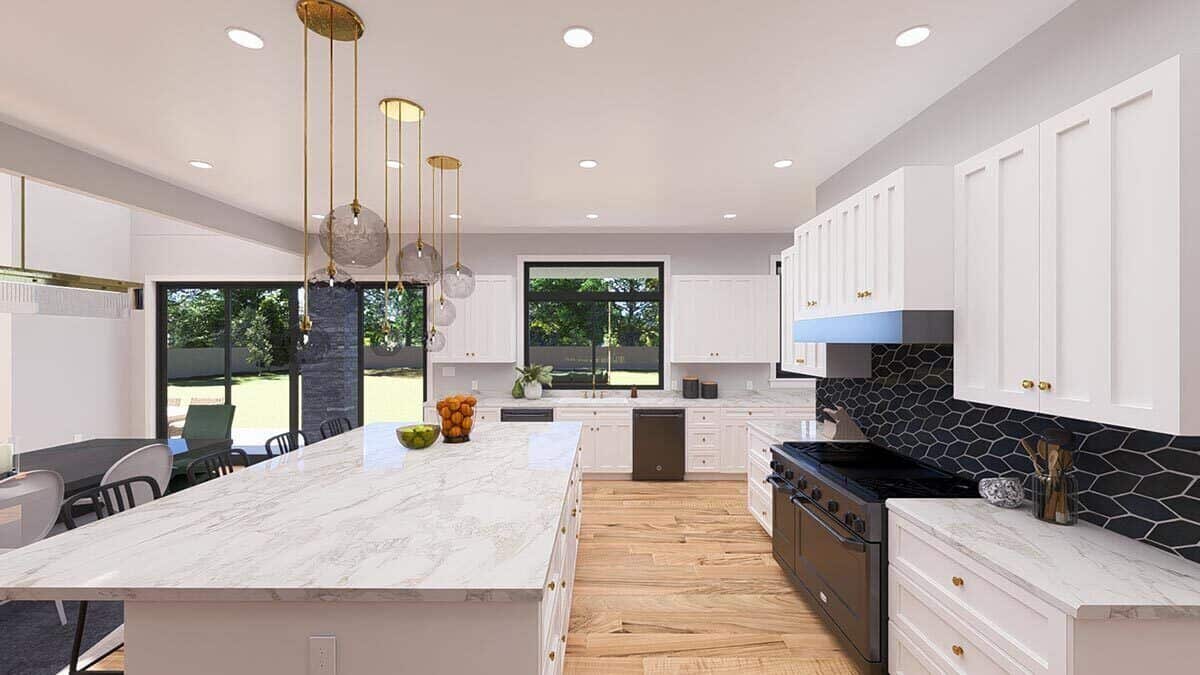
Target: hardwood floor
x=677 y=578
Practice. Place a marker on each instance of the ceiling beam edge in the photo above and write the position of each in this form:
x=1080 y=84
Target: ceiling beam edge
x=26 y=153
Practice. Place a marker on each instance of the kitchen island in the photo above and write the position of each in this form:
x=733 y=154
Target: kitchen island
x=457 y=558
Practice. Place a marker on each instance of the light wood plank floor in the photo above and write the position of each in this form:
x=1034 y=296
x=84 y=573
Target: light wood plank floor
x=677 y=578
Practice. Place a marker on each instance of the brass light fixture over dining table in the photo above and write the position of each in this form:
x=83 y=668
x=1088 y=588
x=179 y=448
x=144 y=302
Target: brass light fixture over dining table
x=458 y=280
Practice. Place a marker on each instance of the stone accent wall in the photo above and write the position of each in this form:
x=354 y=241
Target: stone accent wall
x=329 y=384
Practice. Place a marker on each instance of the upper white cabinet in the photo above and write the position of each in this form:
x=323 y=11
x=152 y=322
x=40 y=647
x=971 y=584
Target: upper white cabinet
x=1069 y=256
x=484 y=330
x=811 y=358
x=724 y=318
x=888 y=247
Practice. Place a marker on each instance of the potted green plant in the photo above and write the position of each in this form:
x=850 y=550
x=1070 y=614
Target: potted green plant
x=529 y=382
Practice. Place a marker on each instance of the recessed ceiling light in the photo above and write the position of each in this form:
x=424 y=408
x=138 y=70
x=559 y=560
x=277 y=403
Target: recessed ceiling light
x=455 y=216
x=729 y=216
x=593 y=216
x=244 y=38
x=782 y=163
x=588 y=164
x=577 y=37
x=200 y=164
x=913 y=36
x=394 y=164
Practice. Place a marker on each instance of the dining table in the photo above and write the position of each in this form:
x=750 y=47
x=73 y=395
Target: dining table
x=82 y=464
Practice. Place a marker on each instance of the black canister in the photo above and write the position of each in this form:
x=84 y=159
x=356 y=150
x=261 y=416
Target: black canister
x=691 y=387
x=708 y=390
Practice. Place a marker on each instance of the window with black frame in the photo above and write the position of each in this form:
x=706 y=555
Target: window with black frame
x=596 y=324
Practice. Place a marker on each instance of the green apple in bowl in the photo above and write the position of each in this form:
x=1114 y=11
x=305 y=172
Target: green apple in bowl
x=418 y=436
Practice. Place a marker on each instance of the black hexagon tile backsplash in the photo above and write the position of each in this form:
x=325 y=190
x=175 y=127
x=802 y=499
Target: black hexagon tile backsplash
x=1140 y=484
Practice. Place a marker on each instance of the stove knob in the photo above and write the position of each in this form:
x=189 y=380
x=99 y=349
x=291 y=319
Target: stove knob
x=816 y=493
x=788 y=474
x=832 y=506
x=802 y=483
x=860 y=525
x=774 y=466
x=849 y=519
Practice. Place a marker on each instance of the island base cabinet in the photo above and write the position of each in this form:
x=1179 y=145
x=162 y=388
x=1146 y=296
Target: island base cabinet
x=256 y=638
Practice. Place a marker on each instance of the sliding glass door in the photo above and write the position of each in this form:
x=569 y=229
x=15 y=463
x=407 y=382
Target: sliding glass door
x=228 y=344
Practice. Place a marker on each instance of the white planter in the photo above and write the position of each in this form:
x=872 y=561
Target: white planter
x=533 y=390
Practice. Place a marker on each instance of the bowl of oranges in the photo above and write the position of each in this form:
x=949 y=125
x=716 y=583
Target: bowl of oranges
x=457 y=414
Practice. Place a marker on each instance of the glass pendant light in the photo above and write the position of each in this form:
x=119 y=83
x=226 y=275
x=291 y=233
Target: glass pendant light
x=458 y=281
x=443 y=312
x=420 y=262
x=436 y=341
x=359 y=232
x=336 y=22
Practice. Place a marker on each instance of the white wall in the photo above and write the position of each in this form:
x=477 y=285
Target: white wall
x=1087 y=48
x=68 y=375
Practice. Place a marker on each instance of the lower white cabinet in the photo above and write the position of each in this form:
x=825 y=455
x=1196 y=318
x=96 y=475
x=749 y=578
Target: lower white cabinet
x=949 y=613
x=717 y=437
x=555 y=608
x=606 y=441
x=758 y=467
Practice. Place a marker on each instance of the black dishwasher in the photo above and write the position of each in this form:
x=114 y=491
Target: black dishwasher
x=658 y=443
x=527 y=414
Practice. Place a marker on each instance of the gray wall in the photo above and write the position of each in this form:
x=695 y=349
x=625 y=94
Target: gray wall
x=1089 y=47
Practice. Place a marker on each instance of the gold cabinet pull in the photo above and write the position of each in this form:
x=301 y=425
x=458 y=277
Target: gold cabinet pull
x=551 y=656
x=866 y=294
x=858 y=295
x=957 y=581
x=1044 y=386
x=564 y=530
x=1027 y=384
x=958 y=651
x=574 y=512
x=550 y=585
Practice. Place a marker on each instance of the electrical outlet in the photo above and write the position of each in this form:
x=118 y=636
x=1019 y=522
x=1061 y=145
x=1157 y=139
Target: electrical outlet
x=474 y=385
x=322 y=655
x=749 y=385
x=448 y=371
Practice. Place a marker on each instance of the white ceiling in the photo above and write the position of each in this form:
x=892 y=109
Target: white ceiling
x=685 y=104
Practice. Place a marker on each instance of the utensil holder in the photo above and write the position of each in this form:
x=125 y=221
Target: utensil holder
x=1056 y=498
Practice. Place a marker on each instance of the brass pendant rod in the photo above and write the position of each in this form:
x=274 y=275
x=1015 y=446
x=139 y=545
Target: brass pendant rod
x=329 y=217
x=458 y=220
x=387 y=232
x=442 y=219
x=305 y=321
x=356 y=124
x=400 y=196
x=420 y=180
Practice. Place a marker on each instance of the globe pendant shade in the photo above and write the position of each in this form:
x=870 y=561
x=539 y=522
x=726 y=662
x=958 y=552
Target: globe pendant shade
x=458 y=281
x=359 y=240
x=420 y=263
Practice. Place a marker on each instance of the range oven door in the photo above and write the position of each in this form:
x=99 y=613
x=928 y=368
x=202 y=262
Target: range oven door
x=783 y=523
x=843 y=572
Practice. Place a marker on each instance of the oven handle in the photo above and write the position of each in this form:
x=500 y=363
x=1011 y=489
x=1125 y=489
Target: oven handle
x=852 y=544
x=777 y=481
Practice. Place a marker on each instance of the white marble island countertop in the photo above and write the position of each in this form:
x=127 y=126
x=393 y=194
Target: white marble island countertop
x=1084 y=570
x=353 y=518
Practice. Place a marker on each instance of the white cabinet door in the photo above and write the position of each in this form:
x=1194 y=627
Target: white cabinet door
x=693 y=303
x=882 y=243
x=734 y=329
x=849 y=257
x=803 y=299
x=614 y=446
x=1110 y=255
x=996 y=275
x=733 y=447
x=484 y=328
x=787 y=309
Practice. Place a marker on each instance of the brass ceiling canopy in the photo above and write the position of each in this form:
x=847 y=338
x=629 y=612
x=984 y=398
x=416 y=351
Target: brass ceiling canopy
x=444 y=162
x=401 y=109
x=324 y=17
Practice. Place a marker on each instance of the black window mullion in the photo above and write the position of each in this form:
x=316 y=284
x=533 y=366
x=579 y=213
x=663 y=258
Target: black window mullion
x=228 y=293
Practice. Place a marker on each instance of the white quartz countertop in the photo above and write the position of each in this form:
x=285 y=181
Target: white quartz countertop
x=1084 y=570
x=353 y=518
x=791 y=398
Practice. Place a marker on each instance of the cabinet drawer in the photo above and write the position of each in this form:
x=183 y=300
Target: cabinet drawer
x=1031 y=631
x=905 y=657
x=703 y=460
x=758 y=501
x=704 y=439
x=738 y=414
x=704 y=416
x=759 y=446
x=593 y=414
x=486 y=415
x=757 y=470
x=959 y=648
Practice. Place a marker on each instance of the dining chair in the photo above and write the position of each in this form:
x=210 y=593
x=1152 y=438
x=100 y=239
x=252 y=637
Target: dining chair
x=154 y=461
x=335 y=426
x=106 y=499
x=208 y=421
x=285 y=443
x=215 y=465
x=33 y=497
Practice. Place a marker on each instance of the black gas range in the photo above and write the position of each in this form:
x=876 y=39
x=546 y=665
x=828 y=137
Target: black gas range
x=830 y=529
